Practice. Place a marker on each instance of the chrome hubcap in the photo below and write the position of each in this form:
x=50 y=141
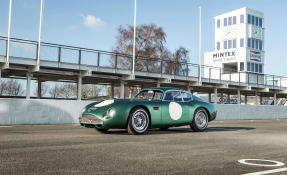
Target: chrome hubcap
x=201 y=119
x=139 y=121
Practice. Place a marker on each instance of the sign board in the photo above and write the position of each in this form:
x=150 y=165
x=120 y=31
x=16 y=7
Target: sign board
x=255 y=55
x=224 y=56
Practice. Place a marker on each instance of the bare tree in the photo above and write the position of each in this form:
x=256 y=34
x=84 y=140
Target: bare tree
x=13 y=88
x=150 y=47
x=55 y=92
x=44 y=89
x=68 y=90
x=91 y=91
x=3 y=87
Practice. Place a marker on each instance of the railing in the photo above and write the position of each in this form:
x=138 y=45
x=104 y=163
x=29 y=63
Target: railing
x=77 y=55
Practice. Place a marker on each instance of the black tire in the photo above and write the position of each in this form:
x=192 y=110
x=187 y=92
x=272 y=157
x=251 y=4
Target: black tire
x=200 y=120
x=102 y=130
x=138 y=122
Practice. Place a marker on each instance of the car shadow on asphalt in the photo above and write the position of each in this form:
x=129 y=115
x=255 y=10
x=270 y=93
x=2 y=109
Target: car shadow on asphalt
x=182 y=130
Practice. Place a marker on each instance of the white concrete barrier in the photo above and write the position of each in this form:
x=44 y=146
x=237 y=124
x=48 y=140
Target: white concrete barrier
x=250 y=112
x=42 y=111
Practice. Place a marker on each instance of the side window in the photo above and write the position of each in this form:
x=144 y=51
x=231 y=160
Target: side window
x=173 y=96
x=186 y=96
x=157 y=96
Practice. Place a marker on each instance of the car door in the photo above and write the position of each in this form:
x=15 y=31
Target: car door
x=174 y=110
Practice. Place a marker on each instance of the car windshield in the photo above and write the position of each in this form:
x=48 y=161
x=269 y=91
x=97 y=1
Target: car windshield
x=149 y=95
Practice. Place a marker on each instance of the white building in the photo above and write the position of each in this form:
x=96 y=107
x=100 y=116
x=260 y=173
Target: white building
x=239 y=46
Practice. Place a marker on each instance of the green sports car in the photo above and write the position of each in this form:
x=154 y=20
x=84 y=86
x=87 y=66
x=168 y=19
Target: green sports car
x=151 y=108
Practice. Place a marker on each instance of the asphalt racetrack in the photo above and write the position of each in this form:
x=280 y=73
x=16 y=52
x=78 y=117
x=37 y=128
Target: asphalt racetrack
x=72 y=149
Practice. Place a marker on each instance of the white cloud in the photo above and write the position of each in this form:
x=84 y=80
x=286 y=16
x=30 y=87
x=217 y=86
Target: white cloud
x=91 y=21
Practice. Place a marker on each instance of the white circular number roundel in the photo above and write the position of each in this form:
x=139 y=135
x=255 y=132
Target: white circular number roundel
x=175 y=110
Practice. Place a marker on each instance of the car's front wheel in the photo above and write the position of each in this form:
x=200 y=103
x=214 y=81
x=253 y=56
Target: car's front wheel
x=200 y=120
x=138 y=121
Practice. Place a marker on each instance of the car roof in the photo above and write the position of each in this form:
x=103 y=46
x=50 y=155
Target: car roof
x=163 y=88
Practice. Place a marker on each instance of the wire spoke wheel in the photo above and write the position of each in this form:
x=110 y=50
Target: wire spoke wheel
x=138 y=122
x=200 y=120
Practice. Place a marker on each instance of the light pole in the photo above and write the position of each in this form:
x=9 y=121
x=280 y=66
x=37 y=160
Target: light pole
x=199 y=50
x=39 y=36
x=8 y=36
x=134 y=42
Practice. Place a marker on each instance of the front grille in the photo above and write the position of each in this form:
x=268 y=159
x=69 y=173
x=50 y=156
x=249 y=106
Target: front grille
x=91 y=119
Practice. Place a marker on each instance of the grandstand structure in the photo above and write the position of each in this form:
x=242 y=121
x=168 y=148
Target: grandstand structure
x=88 y=66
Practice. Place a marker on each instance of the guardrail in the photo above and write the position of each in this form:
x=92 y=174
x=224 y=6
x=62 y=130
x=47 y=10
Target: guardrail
x=76 y=55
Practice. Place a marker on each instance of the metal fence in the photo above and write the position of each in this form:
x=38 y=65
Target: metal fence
x=75 y=55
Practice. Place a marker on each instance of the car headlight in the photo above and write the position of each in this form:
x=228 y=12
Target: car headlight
x=109 y=114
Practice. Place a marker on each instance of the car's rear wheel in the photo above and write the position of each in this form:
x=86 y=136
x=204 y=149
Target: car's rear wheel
x=200 y=120
x=138 y=121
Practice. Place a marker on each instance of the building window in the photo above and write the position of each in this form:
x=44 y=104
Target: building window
x=256 y=21
x=229 y=44
x=253 y=20
x=230 y=21
x=260 y=22
x=234 y=19
x=241 y=18
x=218 y=23
x=241 y=42
x=225 y=21
x=252 y=67
x=248 y=66
x=260 y=45
x=253 y=44
x=260 y=68
x=249 y=19
x=234 y=43
x=218 y=45
x=249 y=42
x=241 y=66
x=225 y=44
x=256 y=44
x=256 y=68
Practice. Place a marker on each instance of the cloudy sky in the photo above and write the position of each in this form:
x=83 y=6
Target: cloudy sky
x=94 y=23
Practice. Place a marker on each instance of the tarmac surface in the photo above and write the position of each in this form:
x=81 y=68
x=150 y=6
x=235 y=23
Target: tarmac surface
x=72 y=149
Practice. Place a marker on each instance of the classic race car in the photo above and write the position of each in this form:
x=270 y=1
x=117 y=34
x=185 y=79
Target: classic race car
x=150 y=108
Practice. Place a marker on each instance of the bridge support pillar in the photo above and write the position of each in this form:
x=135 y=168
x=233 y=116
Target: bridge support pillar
x=238 y=96
x=28 y=85
x=209 y=97
x=122 y=89
x=246 y=99
x=158 y=84
x=39 y=89
x=256 y=98
x=215 y=95
x=112 y=91
x=261 y=99
x=79 y=86
x=275 y=98
x=188 y=89
x=228 y=98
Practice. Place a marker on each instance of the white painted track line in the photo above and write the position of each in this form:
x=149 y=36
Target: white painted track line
x=267 y=172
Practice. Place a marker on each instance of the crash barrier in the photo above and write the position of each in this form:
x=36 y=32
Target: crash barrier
x=44 y=111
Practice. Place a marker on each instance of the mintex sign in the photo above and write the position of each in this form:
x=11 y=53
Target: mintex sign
x=255 y=55
x=224 y=56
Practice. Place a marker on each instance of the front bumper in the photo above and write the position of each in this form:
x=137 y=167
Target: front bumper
x=89 y=119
